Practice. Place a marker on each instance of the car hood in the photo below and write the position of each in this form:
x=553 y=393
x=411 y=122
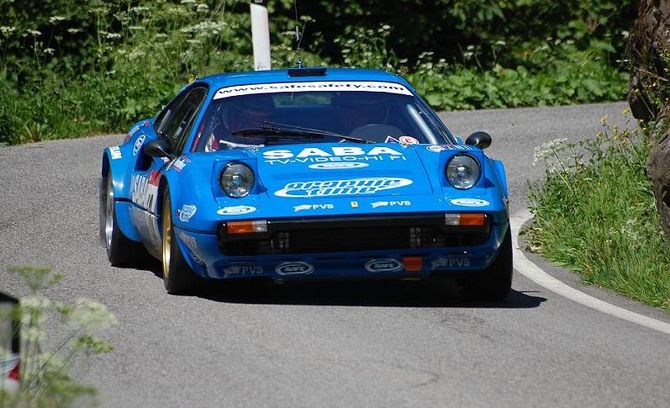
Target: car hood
x=341 y=170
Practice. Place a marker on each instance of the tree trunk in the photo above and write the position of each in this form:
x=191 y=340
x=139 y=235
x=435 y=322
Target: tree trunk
x=648 y=96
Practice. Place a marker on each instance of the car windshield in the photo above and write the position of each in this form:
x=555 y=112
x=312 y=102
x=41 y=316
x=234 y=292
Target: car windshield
x=258 y=115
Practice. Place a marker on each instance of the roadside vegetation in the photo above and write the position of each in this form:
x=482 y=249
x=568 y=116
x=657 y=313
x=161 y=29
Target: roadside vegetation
x=594 y=212
x=72 y=68
x=55 y=336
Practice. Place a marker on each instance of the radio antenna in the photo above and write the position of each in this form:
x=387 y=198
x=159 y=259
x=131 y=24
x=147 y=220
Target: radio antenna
x=298 y=36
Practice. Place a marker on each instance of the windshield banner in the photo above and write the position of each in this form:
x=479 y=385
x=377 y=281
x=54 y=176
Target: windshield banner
x=354 y=86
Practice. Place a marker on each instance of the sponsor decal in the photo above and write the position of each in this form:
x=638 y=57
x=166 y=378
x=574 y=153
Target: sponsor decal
x=115 y=152
x=133 y=131
x=408 y=140
x=192 y=246
x=144 y=190
x=180 y=163
x=440 y=148
x=378 y=204
x=236 y=210
x=383 y=265
x=357 y=86
x=186 y=212
x=451 y=262
x=337 y=154
x=354 y=204
x=294 y=268
x=305 y=207
x=470 y=202
x=391 y=139
x=330 y=188
x=138 y=144
x=243 y=269
x=338 y=165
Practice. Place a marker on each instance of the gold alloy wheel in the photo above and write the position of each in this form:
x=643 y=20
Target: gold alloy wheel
x=167 y=237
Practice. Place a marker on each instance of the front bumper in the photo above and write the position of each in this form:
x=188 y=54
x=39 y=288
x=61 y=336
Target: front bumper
x=390 y=246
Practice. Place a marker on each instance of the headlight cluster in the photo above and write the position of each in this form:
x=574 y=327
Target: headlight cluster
x=463 y=171
x=237 y=180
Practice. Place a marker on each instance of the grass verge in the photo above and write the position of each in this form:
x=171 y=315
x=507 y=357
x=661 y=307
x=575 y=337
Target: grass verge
x=595 y=214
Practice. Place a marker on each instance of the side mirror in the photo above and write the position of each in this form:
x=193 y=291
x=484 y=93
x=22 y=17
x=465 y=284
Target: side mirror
x=480 y=139
x=157 y=148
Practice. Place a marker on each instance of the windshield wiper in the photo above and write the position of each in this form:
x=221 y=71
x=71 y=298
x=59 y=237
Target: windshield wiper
x=283 y=131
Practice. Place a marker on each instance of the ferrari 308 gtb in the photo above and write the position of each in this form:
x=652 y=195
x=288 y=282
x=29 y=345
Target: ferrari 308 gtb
x=306 y=173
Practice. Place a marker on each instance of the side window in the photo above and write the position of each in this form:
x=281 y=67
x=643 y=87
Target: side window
x=177 y=122
x=166 y=113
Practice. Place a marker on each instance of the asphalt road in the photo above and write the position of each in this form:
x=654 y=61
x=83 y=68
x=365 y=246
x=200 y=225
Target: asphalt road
x=344 y=345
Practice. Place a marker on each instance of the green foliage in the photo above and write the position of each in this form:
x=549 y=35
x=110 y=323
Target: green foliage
x=76 y=68
x=576 y=77
x=595 y=213
x=46 y=359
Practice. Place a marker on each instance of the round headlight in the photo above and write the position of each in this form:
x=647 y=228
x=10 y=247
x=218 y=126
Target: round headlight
x=463 y=171
x=237 y=180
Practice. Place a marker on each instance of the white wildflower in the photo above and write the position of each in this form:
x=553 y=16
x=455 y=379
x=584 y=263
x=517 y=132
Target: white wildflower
x=7 y=30
x=33 y=32
x=36 y=302
x=202 y=8
x=187 y=1
x=55 y=19
x=91 y=315
x=629 y=230
x=74 y=30
x=49 y=51
x=34 y=310
x=544 y=150
x=32 y=334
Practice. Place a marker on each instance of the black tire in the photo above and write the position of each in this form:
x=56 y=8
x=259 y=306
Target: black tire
x=178 y=277
x=121 y=251
x=495 y=282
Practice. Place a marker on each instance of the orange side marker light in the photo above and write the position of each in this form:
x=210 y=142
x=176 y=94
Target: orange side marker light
x=247 y=227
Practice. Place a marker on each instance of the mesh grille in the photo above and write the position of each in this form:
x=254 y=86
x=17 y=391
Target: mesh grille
x=324 y=240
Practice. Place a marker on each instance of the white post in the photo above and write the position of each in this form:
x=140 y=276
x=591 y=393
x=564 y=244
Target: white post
x=260 y=35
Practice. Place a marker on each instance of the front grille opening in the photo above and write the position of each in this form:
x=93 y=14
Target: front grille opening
x=351 y=239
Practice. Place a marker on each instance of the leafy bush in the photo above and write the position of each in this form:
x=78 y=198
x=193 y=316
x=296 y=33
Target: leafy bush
x=577 y=77
x=76 y=68
x=594 y=212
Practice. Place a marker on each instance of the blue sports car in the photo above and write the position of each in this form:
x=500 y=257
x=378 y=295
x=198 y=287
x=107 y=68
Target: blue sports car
x=306 y=173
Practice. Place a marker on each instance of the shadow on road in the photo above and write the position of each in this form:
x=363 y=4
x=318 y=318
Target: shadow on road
x=359 y=293
x=379 y=293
